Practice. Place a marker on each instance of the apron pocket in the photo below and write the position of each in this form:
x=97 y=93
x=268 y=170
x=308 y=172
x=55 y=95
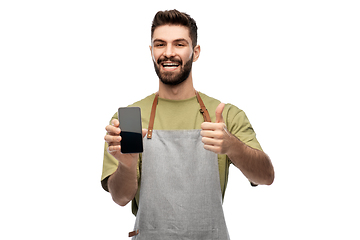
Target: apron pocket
x=176 y=234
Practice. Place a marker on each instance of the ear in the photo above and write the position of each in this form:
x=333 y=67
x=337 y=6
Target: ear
x=196 y=53
x=151 y=53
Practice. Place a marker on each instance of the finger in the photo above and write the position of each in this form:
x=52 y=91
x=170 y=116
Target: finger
x=218 y=113
x=114 y=149
x=115 y=122
x=144 y=132
x=212 y=148
x=206 y=126
x=212 y=141
x=212 y=134
x=112 y=130
x=112 y=139
x=212 y=126
x=206 y=133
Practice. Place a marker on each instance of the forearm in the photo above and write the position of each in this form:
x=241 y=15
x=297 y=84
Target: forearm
x=123 y=184
x=253 y=163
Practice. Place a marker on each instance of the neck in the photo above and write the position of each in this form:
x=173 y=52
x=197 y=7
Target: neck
x=181 y=91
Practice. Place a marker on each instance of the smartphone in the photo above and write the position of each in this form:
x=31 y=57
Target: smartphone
x=131 y=130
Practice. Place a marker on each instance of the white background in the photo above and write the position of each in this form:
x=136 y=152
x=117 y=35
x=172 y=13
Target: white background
x=292 y=66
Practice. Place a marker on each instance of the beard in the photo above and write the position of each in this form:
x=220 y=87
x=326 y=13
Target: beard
x=171 y=78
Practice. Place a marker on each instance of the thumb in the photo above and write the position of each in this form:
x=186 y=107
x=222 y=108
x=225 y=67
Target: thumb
x=144 y=132
x=218 y=113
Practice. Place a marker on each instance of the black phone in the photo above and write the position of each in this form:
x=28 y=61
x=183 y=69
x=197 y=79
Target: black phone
x=131 y=130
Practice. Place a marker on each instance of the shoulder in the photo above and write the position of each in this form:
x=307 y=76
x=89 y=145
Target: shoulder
x=231 y=111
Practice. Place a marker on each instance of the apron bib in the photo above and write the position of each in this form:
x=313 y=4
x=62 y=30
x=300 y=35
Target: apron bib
x=180 y=195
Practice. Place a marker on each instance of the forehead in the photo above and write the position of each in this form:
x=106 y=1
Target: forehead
x=170 y=33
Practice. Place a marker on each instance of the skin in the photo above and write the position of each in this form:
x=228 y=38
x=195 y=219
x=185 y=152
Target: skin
x=174 y=41
x=171 y=41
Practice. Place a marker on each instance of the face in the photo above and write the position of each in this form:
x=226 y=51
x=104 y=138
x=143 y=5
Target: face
x=173 y=54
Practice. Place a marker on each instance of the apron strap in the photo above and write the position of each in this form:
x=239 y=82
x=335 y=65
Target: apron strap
x=134 y=233
x=203 y=111
x=152 y=116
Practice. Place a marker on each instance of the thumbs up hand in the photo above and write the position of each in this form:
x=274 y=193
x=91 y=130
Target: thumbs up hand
x=215 y=136
x=218 y=113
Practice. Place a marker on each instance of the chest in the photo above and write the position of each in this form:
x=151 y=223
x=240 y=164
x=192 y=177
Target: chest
x=178 y=118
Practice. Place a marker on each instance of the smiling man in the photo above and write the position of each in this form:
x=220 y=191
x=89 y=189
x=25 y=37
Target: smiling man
x=178 y=183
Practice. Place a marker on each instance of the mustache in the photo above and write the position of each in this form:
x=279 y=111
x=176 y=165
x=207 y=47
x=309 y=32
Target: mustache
x=171 y=59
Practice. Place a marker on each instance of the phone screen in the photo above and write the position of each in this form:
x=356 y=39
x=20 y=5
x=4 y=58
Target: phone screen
x=131 y=130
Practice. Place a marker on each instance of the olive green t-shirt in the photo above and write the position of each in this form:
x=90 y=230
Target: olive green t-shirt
x=181 y=115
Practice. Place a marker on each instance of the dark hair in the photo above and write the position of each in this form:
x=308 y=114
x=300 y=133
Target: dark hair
x=174 y=17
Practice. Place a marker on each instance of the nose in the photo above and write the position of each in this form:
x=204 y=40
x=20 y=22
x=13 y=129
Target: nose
x=169 y=51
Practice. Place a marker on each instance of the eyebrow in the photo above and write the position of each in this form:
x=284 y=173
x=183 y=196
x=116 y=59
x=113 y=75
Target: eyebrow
x=176 y=40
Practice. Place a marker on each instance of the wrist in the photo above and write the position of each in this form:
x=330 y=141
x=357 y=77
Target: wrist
x=127 y=168
x=128 y=162
x=235 y=148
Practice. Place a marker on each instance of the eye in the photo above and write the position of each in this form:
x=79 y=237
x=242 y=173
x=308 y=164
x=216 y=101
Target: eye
x=159 y=45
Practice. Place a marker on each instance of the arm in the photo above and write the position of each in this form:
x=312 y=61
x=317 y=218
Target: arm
x=122 y=183
x=253 y=163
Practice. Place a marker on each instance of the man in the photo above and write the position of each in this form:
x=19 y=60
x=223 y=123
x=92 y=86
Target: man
x=178 y=183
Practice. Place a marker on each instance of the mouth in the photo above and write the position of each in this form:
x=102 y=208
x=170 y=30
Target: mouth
x=170 y=66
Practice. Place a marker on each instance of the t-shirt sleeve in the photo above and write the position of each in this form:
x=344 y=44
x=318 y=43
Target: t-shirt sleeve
x=239 y=125
x=110 y=164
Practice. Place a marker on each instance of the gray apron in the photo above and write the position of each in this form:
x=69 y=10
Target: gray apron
x=180 y=196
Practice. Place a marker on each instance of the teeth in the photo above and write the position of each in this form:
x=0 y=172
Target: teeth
x=170 y=64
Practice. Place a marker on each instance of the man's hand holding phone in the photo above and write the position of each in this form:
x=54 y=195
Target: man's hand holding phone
x=113 y=139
